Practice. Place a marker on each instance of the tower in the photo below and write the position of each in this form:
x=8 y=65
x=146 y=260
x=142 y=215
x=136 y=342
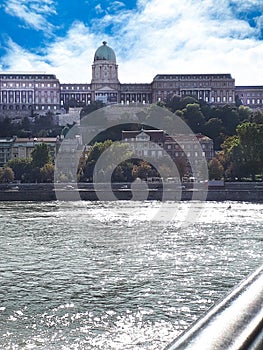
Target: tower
x=105 y=82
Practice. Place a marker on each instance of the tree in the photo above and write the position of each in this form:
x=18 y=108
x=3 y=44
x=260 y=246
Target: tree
x=40 y=155
x=47 y=173
x=175 y=102
x=257 y=117
x=194 y=117
x=230 y=119
x=25 y=124
x=251 y=140
x=6 y=175
x=22 y=169
x=216 y=169
x=44 y=122
x=116 y=151
x=93 y=106
x=244 y=152
x=143 y=170
x=6 y=128
x=123 y=172
x=244 y=113
x=213 y=128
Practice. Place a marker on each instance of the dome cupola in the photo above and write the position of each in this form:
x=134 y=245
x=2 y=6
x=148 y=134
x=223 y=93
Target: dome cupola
x=105 y=53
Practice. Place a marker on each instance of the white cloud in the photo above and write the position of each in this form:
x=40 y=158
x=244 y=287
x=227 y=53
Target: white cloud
x=99 y=9
x=190 y=36
x=32 y=12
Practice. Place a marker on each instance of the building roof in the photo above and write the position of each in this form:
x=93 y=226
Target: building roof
x=155 y=135
x=105 y=53
x=37 y=140
x=193 y=76
x=253 y=87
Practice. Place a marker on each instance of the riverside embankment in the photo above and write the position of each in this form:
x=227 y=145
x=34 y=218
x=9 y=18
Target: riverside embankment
x=230 y=191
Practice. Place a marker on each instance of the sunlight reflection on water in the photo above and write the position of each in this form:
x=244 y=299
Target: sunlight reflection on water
x=74 y=276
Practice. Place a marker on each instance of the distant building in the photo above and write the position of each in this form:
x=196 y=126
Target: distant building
x=145 y=143
x=28 y=93
x=157 y=144
x=216 y=89
x=23 y=147
x=6 y=149
x=250 y=96
x=23 y=93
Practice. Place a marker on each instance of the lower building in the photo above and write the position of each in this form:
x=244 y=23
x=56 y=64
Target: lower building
x=6 y=150
x=22 y=148
x=155 y=144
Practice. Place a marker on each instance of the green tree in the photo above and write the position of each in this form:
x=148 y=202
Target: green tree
x=244 y=152
x=244 y=113
x=257 y=117
x=22 y=169
x=194 y=117
x=123 y=172
x=93 y=106
x=251 y=141
x=40 y=155
x=115 y=151
x=230 y=119
x=7 y=129
x=25 y=124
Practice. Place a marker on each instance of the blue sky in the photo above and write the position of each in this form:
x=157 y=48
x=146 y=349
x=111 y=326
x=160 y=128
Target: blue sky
x=149 y=37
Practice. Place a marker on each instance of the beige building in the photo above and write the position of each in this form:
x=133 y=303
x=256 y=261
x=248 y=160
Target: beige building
x=29 y=93
x=6 y=149
x=218 y=89
x=250 y=96
x=39 y=93
x=157 y=144
x=23 y=147
x=14 y=148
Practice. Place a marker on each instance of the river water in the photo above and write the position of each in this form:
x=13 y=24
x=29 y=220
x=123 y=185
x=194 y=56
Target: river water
x=105 y=275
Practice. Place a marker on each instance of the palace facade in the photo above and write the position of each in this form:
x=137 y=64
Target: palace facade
x=21 y=93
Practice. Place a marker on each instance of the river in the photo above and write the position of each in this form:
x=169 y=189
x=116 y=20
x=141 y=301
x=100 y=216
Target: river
x=107 y=275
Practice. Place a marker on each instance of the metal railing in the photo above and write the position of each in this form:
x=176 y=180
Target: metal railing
x=235 y=323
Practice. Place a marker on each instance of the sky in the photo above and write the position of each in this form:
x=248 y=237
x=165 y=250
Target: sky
x=149 y=37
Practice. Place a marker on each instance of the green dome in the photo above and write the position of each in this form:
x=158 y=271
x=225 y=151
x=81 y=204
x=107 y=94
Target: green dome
x=105 y=53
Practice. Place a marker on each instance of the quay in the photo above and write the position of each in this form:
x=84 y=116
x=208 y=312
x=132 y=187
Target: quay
x=230 y=191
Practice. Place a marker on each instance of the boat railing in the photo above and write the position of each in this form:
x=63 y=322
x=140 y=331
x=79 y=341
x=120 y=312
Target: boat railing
x=235 y=323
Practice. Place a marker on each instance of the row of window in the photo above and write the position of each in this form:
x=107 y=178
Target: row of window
x=252 y=94
x=74 y=87
x=193 y=76
x=169 y=146
x=253 y=101
x=44 y=107
x=159 y=153
x=213 y=99
x=28 y=85
x=27 y=107
x=194 y=84
x=46 y=93
x=46 y=100
x=28 y=77
x=17 y=100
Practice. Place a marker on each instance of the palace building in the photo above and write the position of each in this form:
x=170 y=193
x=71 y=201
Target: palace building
x=21 y=93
